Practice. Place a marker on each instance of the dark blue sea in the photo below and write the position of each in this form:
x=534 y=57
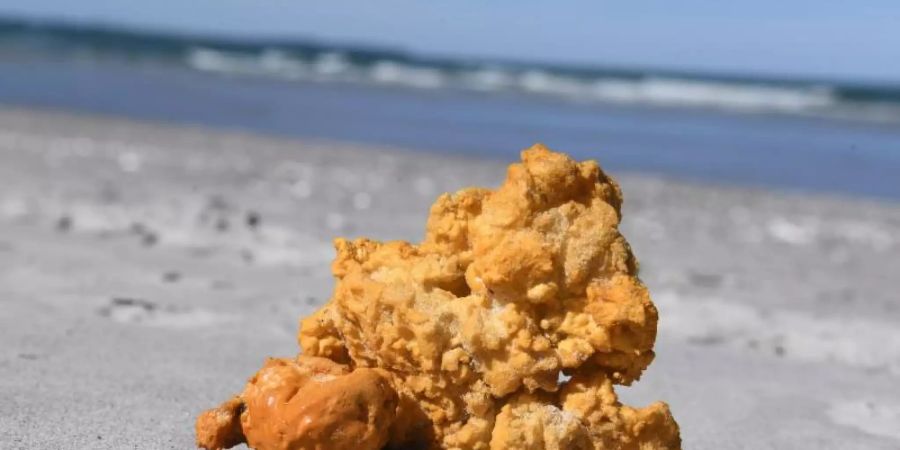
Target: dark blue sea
x=787 y=134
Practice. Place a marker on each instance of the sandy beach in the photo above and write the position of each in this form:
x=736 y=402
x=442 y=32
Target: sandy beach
x=146 y=270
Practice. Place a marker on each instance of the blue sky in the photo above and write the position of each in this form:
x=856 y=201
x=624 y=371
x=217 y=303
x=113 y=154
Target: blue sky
x=824 y=38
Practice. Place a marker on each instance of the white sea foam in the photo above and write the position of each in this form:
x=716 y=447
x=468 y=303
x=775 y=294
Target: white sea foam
x=331 y=64
x=674 y=92
x=278 y=62
x=540 y=82
x=654 y=91
x=219 y=61
x=387 y=72
x=487 y=79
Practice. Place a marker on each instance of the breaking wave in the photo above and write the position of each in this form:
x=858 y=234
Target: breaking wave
x=316 y=62
x=650 y=90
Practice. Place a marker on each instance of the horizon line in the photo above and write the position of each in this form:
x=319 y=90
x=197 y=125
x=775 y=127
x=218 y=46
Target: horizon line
x=62 y=23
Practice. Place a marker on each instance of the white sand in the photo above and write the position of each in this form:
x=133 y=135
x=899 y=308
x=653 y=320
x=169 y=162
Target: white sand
x=147 y=270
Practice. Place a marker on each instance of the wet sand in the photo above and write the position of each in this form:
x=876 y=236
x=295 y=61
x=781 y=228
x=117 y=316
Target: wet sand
x=146 y=270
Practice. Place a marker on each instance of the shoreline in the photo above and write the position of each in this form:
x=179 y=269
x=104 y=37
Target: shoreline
x=16 y=115
x=753 y=150
x=146 y=269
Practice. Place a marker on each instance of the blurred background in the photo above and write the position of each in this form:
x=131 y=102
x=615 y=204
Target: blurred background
x=793 y=94
x=171 y=174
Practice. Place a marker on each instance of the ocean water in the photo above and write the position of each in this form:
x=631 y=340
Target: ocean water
x=787 y=134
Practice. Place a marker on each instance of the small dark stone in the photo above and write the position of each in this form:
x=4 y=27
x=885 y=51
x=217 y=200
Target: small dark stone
x=28 y=356
x=138 y=228
x=779 y=350
x=149 y=239
x=64 y=224
x=709 y=280
x=253 y=219
x=707 y=340
x=171 y=276
x=148 y=236
x=128 y=301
